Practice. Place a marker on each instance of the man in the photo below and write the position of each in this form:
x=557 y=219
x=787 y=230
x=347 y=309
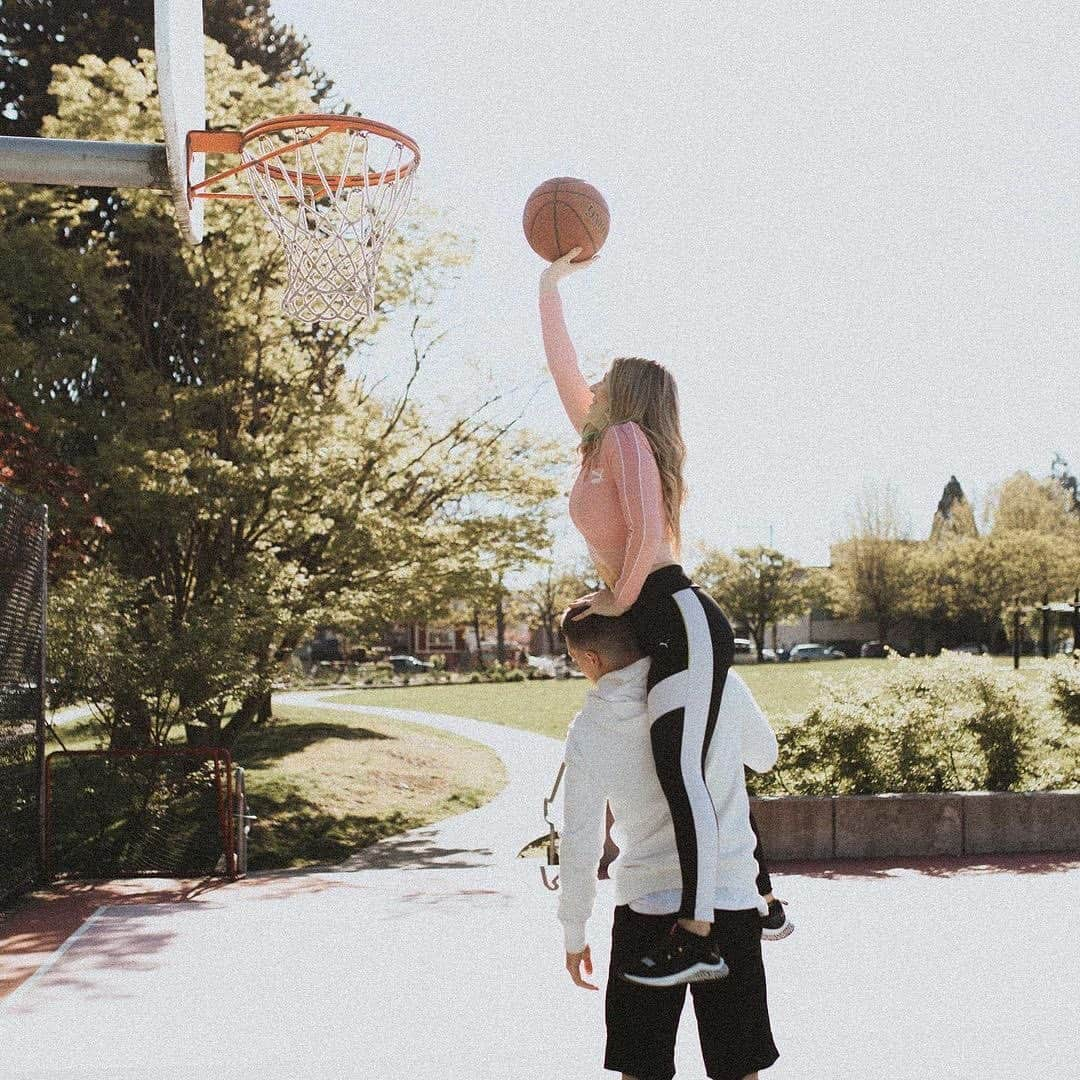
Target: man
x=609 y=760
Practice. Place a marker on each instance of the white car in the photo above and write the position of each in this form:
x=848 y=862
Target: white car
x=745 y=653
x=554 y=667
x=809 y=651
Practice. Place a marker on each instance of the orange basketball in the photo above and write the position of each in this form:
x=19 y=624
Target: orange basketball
x=562 y=214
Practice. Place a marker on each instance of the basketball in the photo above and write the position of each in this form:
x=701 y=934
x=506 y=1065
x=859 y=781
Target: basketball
x=565 y=213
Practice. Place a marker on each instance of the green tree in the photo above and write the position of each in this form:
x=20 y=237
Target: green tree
x=1024 y=504
x=872 y=570
x=758 y=586
x=253 y=490
x=548 y=597
x=1063 y=475
x=40 y=33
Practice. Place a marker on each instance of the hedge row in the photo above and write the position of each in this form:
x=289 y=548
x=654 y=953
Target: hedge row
x=952 y=723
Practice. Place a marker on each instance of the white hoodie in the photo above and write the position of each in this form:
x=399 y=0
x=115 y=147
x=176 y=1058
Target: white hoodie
x=609 y=760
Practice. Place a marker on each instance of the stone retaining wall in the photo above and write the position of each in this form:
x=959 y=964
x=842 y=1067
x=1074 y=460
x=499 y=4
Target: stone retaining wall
x=876 y=826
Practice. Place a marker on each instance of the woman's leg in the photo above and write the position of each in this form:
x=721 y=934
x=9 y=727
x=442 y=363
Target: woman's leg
x=764 y=882
x=692 y=647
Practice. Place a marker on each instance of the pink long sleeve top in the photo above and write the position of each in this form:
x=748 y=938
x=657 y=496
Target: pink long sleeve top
x=617 y=502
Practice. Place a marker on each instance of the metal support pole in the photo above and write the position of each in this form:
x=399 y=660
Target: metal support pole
x=42 y=702
x=83 y=163
x=1044 y=635
x=1016 y=635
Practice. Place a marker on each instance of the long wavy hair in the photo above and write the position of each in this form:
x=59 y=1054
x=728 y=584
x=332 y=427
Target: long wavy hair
x=645 y=392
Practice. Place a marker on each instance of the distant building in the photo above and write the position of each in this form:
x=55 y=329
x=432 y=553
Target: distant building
x=824 y=628
x=423 y=640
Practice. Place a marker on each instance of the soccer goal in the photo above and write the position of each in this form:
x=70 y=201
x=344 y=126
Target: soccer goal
x=173 y=811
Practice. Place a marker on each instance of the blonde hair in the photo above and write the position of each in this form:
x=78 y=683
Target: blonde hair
x=644 y=391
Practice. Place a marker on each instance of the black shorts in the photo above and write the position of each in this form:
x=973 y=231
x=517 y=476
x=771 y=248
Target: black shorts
x=732 y=1013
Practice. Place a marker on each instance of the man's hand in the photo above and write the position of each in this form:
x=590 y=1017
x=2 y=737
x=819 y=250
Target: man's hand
x=574 y=961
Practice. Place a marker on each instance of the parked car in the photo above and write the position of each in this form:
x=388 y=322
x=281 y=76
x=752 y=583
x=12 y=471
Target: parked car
x=768 y=656
x=973 y=648
x=409 y=665
x=744 y=651
x=811 y=651
x=874 y=649
x=554 y=667
x=565 y=668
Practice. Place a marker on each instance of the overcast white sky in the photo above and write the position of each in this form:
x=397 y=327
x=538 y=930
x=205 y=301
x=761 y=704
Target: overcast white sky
x=850 y=229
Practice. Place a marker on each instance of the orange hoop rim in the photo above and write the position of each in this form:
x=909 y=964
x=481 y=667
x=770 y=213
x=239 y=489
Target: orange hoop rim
x=235 y=142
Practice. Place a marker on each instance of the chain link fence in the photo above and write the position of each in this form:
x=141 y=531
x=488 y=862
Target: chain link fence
x=23 y=557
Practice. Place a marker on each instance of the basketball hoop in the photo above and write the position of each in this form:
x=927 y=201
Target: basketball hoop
x=333 y=188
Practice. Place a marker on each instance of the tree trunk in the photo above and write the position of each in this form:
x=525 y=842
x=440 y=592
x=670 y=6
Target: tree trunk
x=548 y=623
x=500 y=629
x=479 y=646
x=253 y=709
x=132 y=725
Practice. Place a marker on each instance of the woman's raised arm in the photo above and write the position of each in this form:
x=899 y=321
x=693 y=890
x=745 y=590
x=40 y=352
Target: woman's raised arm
x=561 y=357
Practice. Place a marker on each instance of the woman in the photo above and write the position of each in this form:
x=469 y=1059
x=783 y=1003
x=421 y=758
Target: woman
x=627 y=502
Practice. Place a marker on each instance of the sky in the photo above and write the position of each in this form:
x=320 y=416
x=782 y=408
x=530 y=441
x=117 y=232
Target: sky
x=851 y=230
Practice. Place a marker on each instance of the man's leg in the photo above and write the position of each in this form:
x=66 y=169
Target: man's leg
x=642 y=1022
x=733 y=1014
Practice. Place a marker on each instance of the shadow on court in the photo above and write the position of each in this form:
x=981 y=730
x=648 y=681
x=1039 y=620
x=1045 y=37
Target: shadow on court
x=41 y=922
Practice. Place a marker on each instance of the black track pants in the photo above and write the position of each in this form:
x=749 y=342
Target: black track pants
x=764 y=882
x=692 y=646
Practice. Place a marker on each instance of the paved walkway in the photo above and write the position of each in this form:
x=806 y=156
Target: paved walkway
x=437 y=955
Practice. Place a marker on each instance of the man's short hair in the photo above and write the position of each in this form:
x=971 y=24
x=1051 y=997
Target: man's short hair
x=611 y=636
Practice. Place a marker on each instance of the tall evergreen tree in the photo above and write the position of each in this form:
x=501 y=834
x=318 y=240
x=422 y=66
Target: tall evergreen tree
x=954 y=516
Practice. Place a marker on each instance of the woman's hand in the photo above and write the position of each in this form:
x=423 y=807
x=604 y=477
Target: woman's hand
x=574 y=960
x=560 y=268
x=601 y=602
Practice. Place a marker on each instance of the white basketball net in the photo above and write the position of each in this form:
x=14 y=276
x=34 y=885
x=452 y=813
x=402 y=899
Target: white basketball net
x=333 y=234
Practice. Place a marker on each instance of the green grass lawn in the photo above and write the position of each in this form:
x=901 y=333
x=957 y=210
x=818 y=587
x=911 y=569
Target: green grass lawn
x=325 y=784
x=547 y=706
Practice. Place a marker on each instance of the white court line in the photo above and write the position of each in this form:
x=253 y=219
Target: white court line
x=51 y=960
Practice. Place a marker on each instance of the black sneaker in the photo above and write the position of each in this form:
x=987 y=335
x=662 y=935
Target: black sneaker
x=776 y=926
x=682 y=957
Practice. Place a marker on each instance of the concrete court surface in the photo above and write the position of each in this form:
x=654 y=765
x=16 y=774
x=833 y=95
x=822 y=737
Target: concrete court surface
x=438 y=955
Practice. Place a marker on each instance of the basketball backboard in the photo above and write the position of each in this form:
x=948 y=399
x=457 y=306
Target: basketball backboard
x=181 y=72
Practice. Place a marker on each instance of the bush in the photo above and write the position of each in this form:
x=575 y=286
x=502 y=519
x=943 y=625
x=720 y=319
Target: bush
x=954 y=723
x=1065 y=687
x=517 y=675
x=476 y=677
